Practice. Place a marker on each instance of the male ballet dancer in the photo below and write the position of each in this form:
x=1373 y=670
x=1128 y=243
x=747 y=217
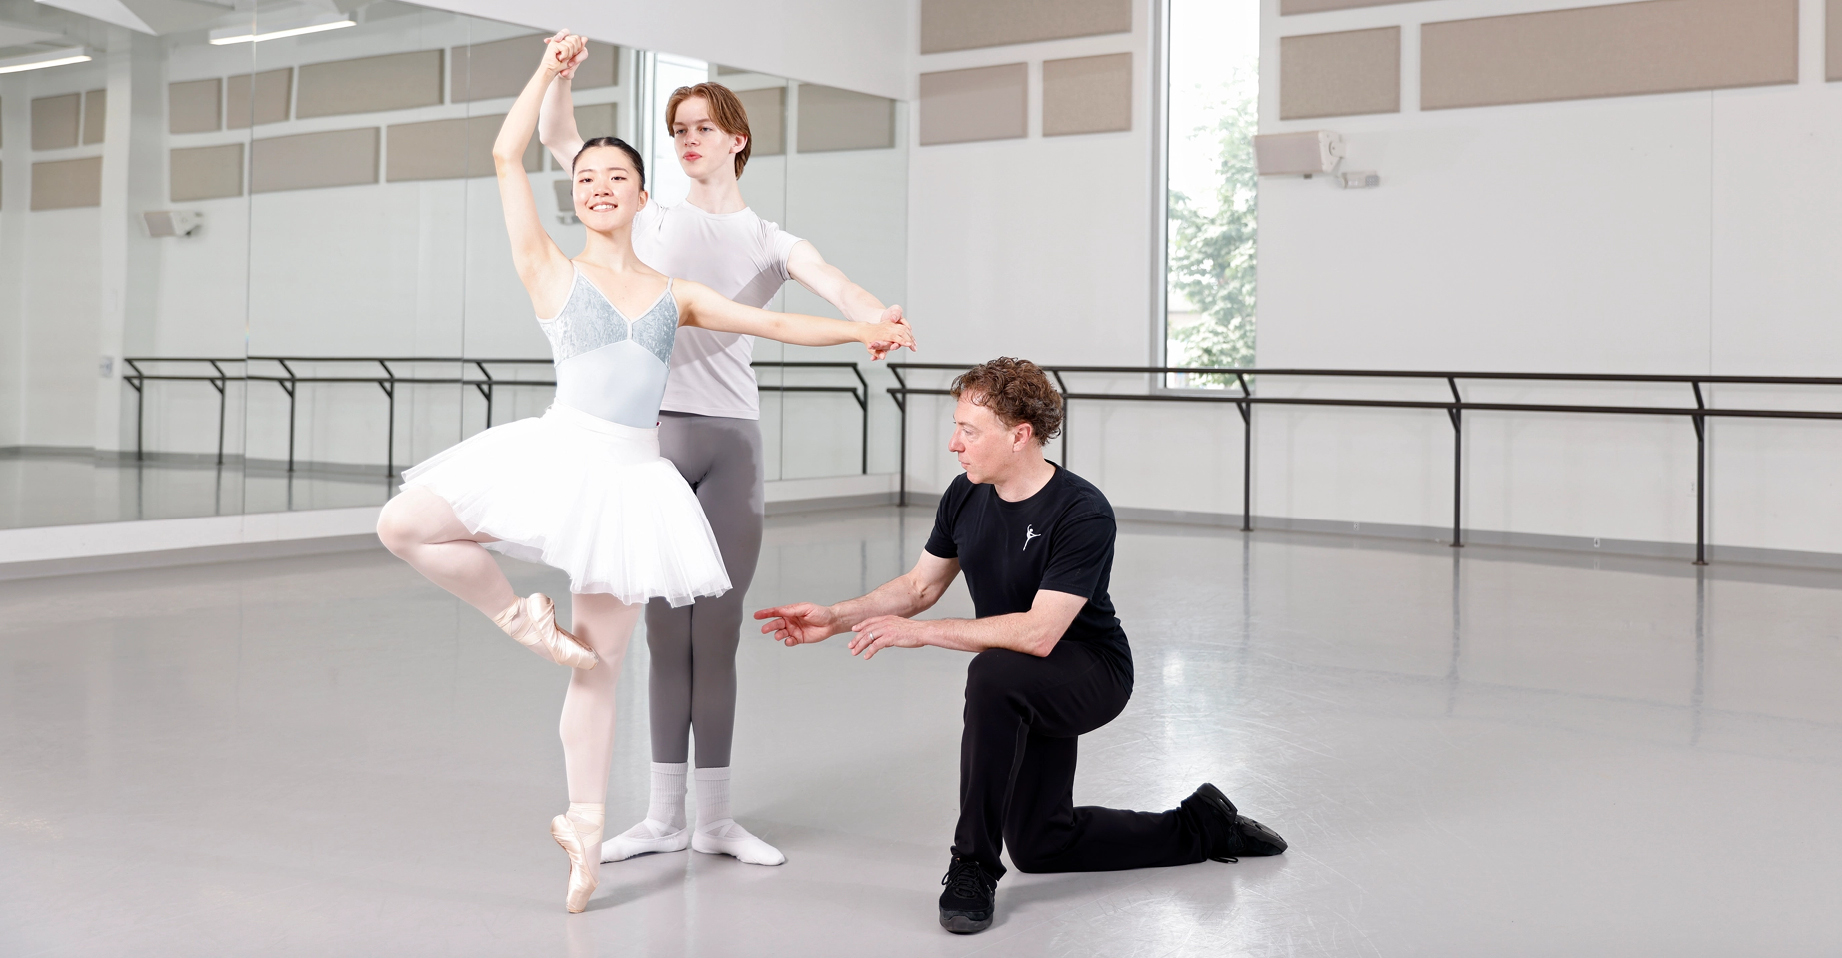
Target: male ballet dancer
x=1036 y=544
x=709 y=428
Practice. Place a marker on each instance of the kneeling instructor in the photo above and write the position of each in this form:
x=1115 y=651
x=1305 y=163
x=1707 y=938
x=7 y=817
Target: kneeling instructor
x=1052 y=663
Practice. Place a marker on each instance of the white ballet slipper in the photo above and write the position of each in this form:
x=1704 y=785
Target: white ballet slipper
x=540 y=633
x=646 y=838
x=728 y=838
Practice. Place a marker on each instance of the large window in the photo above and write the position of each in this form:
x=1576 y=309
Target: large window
x=1213 y=57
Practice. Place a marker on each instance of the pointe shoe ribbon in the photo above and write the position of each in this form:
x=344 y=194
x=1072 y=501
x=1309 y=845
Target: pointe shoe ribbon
x=584 y=850
x=541 y=634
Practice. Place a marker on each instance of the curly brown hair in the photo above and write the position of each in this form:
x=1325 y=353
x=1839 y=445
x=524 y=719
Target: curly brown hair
x=1016 y=391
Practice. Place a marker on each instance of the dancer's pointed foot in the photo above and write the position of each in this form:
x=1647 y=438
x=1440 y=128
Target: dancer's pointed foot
x=579 y=832
x=532 y=622
x=646 y=838
x=728 y=838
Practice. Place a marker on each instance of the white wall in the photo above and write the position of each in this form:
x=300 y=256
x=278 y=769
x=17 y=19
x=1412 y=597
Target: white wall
x=860 y=45
x=1682 y=233
x=1688 y=233
x=1041 y=247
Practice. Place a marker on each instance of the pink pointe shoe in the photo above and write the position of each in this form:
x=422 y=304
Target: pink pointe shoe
x=536 y=629
x=581 y=841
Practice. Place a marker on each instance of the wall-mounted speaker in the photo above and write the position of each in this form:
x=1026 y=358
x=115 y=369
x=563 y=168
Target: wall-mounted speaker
x=1295 y=154
x=173 y=222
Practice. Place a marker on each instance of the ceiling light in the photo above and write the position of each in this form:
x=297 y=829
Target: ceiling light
x=261 y=32
x=45 y=58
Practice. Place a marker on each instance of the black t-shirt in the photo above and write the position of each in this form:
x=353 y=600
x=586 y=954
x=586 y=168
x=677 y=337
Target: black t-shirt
x=1060 y=539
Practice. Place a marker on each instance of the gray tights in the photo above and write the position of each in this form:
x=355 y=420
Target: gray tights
x=694 y=646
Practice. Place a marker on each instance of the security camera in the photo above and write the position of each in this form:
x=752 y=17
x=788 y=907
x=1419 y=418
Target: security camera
x=173 y=222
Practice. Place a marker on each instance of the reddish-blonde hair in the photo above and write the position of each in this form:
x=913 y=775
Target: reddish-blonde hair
x=725 y=108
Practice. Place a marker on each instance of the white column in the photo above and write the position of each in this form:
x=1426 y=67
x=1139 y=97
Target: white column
x=15 y=198
x=133 y=181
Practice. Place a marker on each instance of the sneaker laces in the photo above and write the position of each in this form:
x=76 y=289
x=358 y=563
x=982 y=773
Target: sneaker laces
x=966 y=879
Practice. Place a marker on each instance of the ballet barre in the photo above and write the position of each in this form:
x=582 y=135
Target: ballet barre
x=1245 y=400
x=142 y=370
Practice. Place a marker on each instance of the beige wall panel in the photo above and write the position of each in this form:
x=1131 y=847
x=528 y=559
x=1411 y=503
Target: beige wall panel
x=596 y=119
x=1087 y=95
x=310 y=161
x=205 y=173
x=449 y=149
x=1340 y=74
x=601 y=69
x=767 y=119
x=831 y=119
x=1289 y=7
x=984 y=103
x=485 y=71
x=592 y=120
x=193 y=106
x=1660 y=46
x=1833 y=20
x=968 y=24
x=67 y=184
x=395 y=81
x=56 y=121
x=265 y=99
x=95 y=116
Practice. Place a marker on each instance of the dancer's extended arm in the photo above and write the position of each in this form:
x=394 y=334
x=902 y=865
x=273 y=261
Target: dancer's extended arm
x=882 y=618
x=702 y=307
x=556 y=120
x=543 y=268
x=829 y=282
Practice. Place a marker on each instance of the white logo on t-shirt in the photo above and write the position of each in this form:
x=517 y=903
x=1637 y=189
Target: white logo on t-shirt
x=1029 y=532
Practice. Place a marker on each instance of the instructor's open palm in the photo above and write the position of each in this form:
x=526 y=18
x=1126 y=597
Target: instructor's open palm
x=800 y=623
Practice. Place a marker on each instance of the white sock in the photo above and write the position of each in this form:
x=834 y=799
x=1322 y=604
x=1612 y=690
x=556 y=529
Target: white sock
x=668 y=786
x=712 y=797
x=662 y=830
x=718 y=833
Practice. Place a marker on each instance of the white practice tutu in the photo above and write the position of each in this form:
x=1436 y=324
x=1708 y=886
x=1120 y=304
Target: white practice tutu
x=584 y=495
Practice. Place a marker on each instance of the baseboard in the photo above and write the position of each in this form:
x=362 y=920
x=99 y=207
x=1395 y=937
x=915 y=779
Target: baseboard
x=90 y=547
x=199 y=555
x=1639 y=548
x=792 y=496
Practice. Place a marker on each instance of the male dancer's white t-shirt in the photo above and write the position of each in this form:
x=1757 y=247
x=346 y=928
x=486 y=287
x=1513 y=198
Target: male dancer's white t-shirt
x=739 y=255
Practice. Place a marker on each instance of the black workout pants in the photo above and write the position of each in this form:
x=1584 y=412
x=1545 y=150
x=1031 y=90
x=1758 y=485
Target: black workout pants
x=1017 y=769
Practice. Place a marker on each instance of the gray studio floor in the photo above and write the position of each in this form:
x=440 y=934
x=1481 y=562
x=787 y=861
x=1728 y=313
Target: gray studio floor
x=328 y=756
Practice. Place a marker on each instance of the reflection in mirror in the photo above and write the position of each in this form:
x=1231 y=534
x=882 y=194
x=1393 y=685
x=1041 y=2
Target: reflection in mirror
x=248 y=269
x=122 y=276
x=847 y=194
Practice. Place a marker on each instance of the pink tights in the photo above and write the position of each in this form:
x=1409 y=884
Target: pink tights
x=420 y=528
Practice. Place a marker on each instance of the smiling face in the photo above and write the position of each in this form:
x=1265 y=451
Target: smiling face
x=607 y=188
x=704 y=148
x=989 y=450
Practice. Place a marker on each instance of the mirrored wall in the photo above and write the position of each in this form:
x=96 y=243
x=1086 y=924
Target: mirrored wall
x=253 y=260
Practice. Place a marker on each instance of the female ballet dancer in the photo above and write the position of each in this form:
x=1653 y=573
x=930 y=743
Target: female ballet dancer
x=711 y=431
x=583 y=488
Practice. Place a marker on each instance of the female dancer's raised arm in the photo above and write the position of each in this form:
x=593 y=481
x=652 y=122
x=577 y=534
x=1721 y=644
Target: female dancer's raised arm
x=545 y=270
x=700 y=306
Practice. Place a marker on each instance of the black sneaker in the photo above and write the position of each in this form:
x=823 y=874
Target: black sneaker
x=1232 y=835
x=966 y=905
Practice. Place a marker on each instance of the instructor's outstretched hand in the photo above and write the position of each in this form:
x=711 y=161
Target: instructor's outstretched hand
x=800 y=623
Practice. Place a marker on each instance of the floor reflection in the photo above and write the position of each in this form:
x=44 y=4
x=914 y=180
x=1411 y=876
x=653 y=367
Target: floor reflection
x=1477 y=751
